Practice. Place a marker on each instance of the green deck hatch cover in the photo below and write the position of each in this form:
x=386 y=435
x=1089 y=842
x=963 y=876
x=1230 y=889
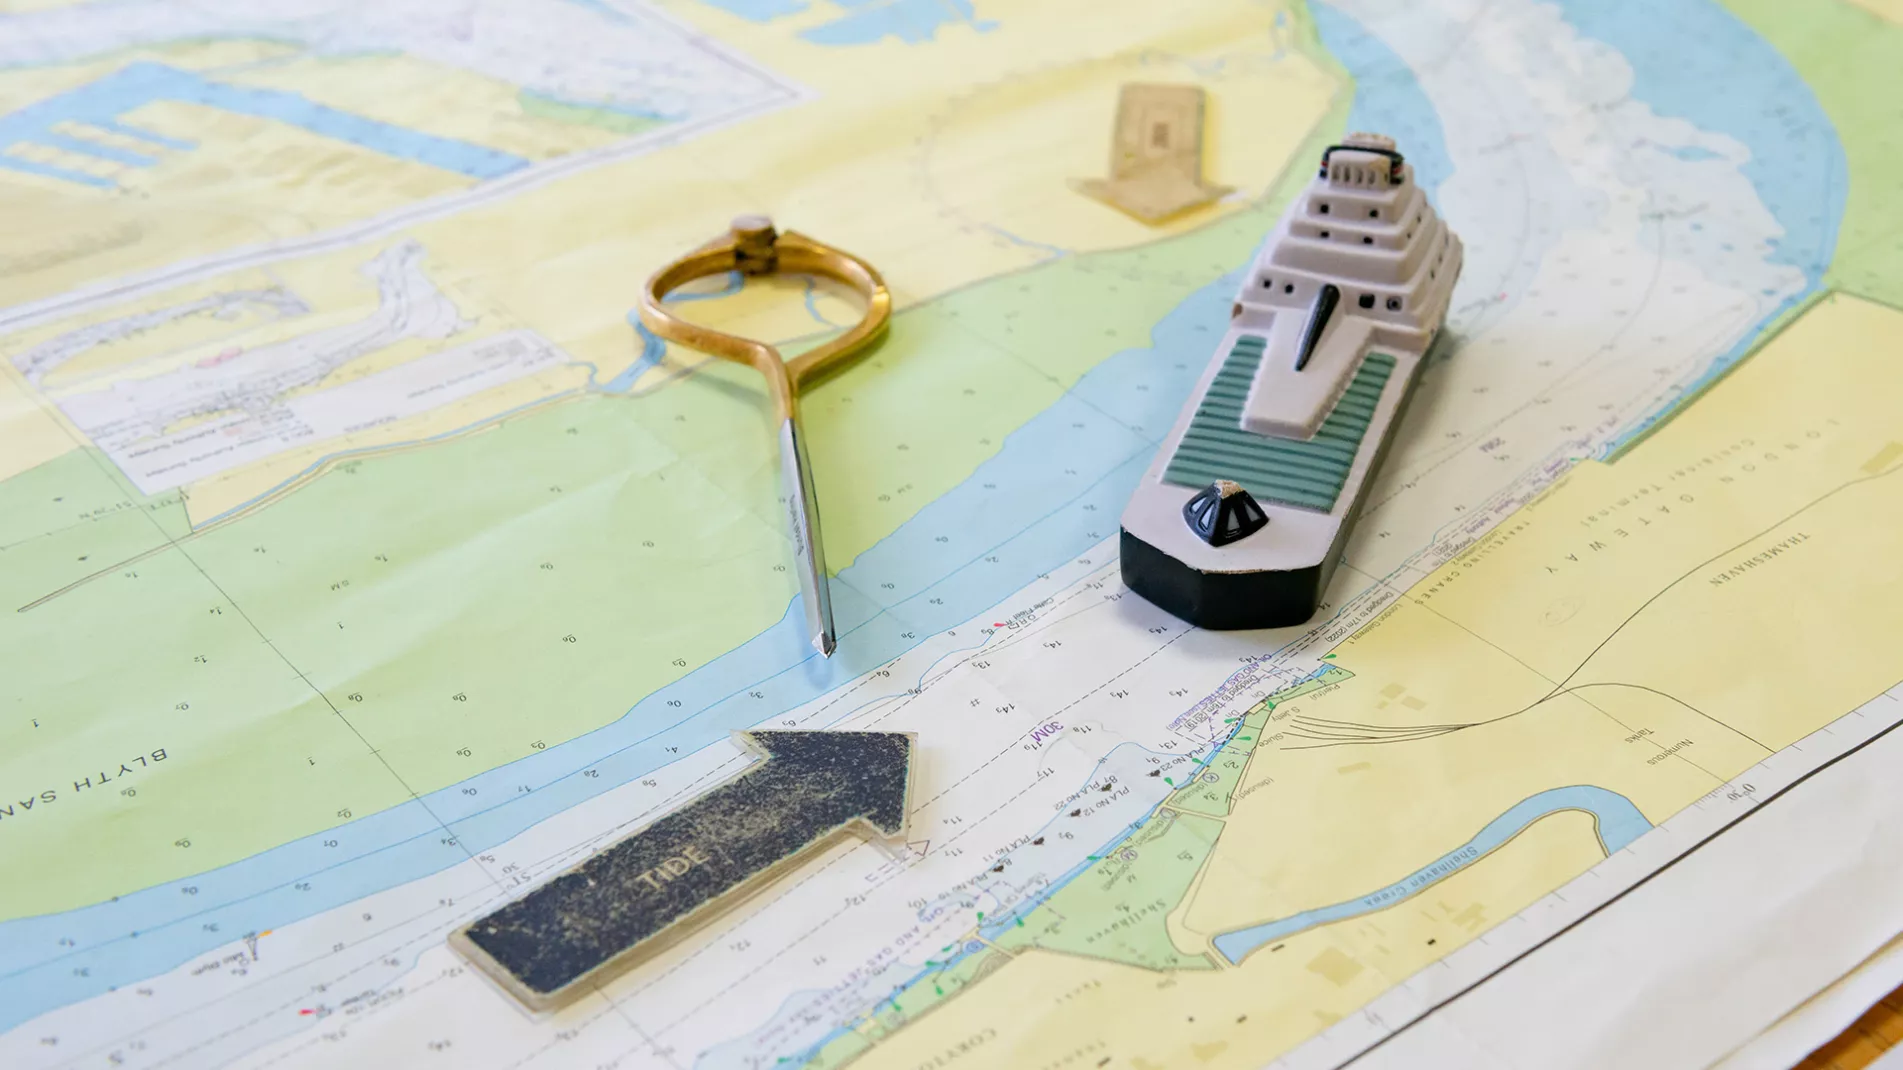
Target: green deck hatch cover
x=1285 y=470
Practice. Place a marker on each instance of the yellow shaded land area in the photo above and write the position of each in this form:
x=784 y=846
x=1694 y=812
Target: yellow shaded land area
x=243 y=181
x=24 y=85
x=1043 y=1006
x=958 y=170
x=1883 y=9
x=248 y=309
x=204 y=323
x=247 y=179
x=442 y=100
x=1652 y=628
x=31 y=430
x=953 y=177
x=955 y=169
x=171 y=339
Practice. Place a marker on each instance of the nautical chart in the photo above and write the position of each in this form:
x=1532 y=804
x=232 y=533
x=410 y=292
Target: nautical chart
x=363 y=562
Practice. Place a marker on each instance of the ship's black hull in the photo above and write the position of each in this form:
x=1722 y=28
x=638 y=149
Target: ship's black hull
x=1222 y=601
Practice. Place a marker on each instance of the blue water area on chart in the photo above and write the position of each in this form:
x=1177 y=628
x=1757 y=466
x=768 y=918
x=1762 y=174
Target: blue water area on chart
x=1619 y=823
x=914 y=22
x=1691 y=153
x=101 y=103
x=1388 y=99
x=759 y=10
x=1734 y=82
x=652 y=347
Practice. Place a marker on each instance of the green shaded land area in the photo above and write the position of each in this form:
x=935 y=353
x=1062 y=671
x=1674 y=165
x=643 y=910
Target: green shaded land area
x=395 y=626
x=412 y=618
x=1851 y=59
x=1117 y=909
x=563 y=111
x=1211 y=789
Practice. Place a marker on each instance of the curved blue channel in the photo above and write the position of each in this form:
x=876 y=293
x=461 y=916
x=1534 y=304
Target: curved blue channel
x=1618 y=824
x=652 y=347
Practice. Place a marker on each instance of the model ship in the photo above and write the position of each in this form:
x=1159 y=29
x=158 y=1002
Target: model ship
x=1241 y=518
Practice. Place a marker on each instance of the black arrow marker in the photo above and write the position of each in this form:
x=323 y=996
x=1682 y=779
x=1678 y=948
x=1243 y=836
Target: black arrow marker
x=643 y=893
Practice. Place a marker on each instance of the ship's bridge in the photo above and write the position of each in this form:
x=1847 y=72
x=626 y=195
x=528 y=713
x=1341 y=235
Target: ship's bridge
x=1361 y=262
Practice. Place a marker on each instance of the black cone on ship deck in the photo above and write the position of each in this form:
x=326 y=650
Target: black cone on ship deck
x=1223 y=512
x=1319 y=314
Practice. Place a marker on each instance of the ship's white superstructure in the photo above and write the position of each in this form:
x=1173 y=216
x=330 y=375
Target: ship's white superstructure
x=1325 y=341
